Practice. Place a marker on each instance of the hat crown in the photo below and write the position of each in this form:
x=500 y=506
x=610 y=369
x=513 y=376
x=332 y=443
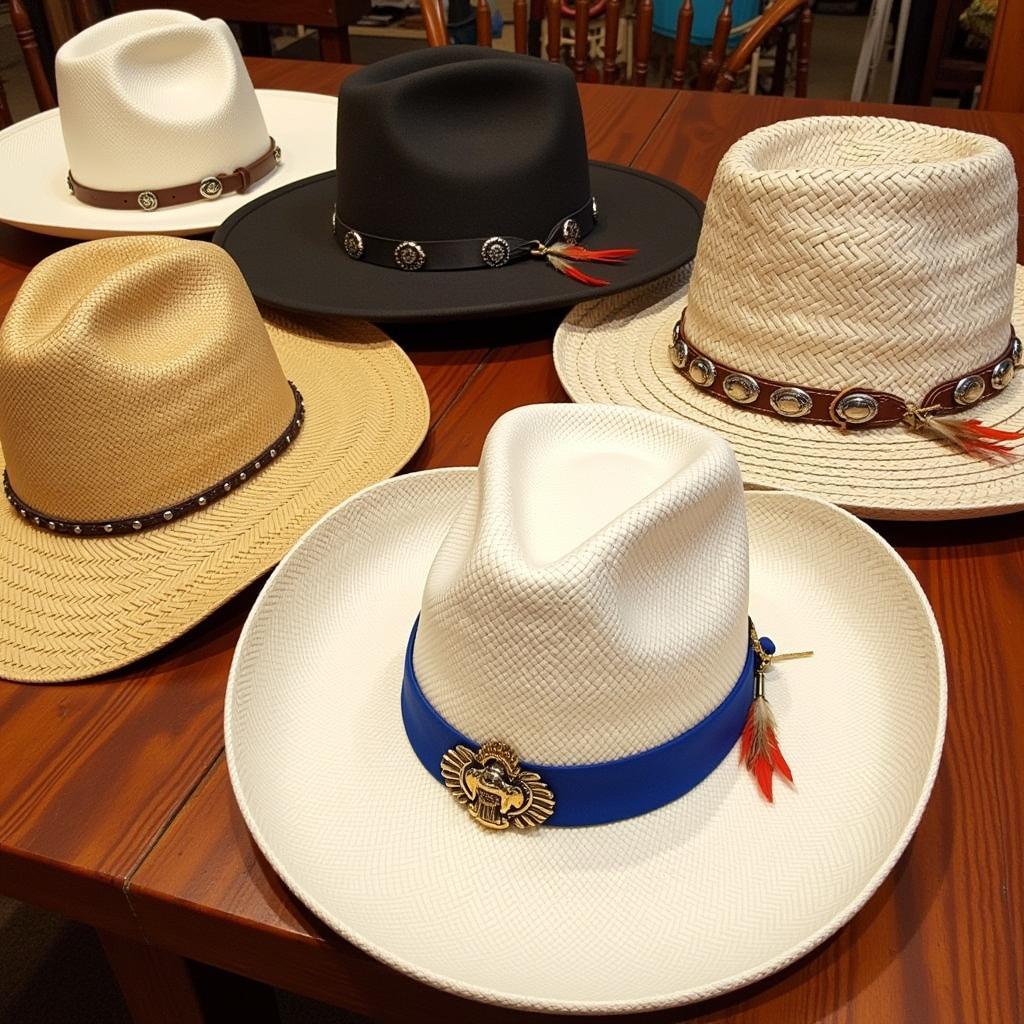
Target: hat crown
x=135 y=373
x=854 y=252
x=460 y=142
x=154 y=99
x=590 y=602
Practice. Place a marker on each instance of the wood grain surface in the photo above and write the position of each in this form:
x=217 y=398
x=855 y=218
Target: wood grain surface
x=115 y=806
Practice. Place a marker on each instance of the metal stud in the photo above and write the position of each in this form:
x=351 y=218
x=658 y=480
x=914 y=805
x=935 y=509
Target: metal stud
x=35 y=519
x=136 y=525
x=200 y=502
x=78 y=529
x=227 y=487
x=71 y=183
x=409 y=256
x=1002 y=374
x=678 y=351
x=255 y=465
x=287 y=438
x=52 y=525
x=702 y=372
x=496 y=251
x=857 y=408
x=968 y=390
x=148 y=201
x=277 y=154
x=168 y=515
x=740 y=388
x=570 y=231
x=242 y=476
x=353 y=245
x=791 y=402
x=107 y=528
x=210 y=188
x=1017 y=352
x=593 y=207
x=273 y=453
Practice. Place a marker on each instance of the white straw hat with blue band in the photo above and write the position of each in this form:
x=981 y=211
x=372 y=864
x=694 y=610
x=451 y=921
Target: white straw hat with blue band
x=559 y=647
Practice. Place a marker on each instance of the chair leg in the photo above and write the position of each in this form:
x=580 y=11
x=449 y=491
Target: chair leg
x=781 y=61
x=334 y=45
x=30 y=50
x=6 y=118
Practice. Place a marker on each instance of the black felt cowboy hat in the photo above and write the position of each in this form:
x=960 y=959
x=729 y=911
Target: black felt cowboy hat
x=462 y=189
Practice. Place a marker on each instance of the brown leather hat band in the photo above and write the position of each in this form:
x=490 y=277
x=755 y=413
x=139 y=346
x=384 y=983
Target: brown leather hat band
x=858 y=407
x=211 y=187
x=133 y=524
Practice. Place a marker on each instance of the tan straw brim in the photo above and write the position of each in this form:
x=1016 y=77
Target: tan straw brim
x=615 y=350
x=71 y=608
x=704 y=895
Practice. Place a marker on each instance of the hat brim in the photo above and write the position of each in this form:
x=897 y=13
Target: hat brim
x=704 y=895
x=71 y=608
x=285 y=247
x=616 y=351
x=34 y=167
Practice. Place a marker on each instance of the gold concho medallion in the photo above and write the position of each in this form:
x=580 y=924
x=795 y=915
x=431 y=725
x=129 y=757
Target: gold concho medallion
x=494 y=789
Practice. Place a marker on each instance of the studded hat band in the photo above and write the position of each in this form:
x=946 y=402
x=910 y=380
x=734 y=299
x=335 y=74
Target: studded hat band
x=210 y=187
x=133 y=524
x=851 y=407
x=461 y=253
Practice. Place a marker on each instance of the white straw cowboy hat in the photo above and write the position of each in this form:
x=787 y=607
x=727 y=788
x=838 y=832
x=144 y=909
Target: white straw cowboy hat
x=162 y=446
x=159 y=130
x=582 y=603
x=851 y=312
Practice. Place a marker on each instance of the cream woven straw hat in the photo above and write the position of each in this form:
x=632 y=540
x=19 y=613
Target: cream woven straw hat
x=156 y=459
x=860 y=262
x=583 y=598
x=162 y=131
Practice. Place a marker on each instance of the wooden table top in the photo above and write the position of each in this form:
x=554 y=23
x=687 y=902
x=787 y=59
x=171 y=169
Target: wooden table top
x=115 y=804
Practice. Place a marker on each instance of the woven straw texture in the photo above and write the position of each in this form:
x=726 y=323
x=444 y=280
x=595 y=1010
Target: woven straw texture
x=700 y=897
x=524 y=606
x=836 y=252
x=153 y=99
x=138 y=372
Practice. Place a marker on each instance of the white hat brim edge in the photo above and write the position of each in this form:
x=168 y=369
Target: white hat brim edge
x=522 y=1001
x=33 y=165
x=606 y=350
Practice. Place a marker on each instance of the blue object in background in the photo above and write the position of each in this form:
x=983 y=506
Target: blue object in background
x=705 y=14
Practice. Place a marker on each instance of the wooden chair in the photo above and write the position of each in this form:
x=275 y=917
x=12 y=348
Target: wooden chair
x=26 y=37
x=716 y=71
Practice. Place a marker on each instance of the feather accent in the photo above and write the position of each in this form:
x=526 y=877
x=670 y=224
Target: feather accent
x=759 y=747
x=574 y=272
x=971 y=436
x=581 y=254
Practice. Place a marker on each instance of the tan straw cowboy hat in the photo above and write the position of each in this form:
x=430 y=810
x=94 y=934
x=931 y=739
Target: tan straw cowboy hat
x=562 y=654
x=163 y=445
x=849 y=327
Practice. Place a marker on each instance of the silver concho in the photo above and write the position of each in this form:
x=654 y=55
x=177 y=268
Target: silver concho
x=857 y=408
x=741 y=389
x=148 y=201
x=593 y=207
x=353 y=245
x=1017 y=352
x=968 y=390
x=791 y=402
x=277 y=154
x=210 y=188
x=678 y=351
x=71 y=183
x=409 y=256
x=702 y=372
x=570 y=231
x=495 y=251
x=1002 y=374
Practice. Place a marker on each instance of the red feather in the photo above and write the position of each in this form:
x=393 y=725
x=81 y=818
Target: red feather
x=584 y=255
x=574 y=272
x=979 y=428
x=759 y=747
